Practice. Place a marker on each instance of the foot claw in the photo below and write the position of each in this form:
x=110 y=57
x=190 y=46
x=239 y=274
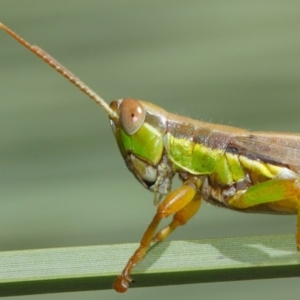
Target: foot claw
x=121 y=284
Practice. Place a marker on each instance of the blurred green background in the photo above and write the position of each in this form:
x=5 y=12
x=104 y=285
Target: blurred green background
x=63 y=182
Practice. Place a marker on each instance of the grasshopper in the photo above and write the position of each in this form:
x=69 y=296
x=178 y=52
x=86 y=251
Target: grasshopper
x=226 y=166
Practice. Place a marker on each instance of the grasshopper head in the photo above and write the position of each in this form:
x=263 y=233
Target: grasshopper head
x=139 y=129
x=138 y=126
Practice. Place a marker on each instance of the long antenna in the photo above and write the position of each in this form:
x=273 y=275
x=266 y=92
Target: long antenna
x=62 y=70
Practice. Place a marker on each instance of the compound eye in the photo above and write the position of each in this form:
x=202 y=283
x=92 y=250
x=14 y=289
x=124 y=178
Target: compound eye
x=132 y=115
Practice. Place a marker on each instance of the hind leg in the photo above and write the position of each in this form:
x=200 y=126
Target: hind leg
x=280 y=194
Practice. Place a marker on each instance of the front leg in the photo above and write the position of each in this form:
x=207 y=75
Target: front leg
x=175 y=202
x=180 y=218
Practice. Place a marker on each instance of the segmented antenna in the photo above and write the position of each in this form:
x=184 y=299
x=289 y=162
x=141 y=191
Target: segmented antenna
x=63 y=71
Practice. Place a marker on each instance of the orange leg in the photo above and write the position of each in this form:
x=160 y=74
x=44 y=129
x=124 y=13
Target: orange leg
x=175 y=202
x=179 y=218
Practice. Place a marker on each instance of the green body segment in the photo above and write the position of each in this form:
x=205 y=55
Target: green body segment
x=198 y=159
x=224 y=168
x=235 y=167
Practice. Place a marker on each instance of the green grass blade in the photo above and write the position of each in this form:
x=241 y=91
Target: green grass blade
x=178 y=262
